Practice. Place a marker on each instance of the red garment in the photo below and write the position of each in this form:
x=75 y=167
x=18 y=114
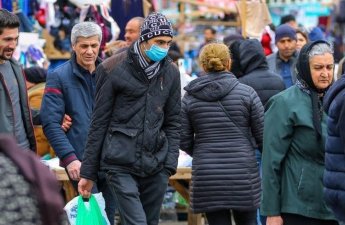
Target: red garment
x=266 y=43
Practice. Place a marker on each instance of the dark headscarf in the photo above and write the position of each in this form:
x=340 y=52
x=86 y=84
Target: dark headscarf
x=304 y=75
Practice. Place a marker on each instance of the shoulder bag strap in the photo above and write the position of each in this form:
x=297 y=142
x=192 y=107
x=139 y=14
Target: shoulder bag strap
x=246 y=134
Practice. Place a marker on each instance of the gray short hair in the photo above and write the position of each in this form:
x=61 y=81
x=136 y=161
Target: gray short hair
x=85 y=29
x=320 y=49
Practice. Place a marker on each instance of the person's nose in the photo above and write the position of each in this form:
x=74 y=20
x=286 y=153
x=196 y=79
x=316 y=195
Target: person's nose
x=89 y=50
x=286 y=45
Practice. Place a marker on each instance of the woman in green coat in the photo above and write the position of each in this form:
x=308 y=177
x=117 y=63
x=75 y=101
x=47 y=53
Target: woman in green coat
x=294 y=140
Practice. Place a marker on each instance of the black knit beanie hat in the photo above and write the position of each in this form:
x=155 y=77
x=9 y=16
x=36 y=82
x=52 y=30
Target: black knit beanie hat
x=154 y=25
x=284 y=31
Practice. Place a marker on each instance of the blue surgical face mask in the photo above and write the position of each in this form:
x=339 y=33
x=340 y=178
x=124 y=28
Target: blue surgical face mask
x=156 y=53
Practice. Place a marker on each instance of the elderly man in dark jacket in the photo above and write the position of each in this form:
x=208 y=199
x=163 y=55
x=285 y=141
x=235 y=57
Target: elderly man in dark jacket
x=334 y=176
x=70 y=90
x=134 y=134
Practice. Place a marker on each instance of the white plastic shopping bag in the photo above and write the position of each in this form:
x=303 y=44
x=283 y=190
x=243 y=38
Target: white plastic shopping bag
x=71 y=208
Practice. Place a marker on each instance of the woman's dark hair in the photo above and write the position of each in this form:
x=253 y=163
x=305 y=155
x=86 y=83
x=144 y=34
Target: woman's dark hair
x=303 y=32
x=8 y=20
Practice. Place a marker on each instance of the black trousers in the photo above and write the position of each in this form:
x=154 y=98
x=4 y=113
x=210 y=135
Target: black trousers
x=223 y=217
x=294 y=219
x=138 y=199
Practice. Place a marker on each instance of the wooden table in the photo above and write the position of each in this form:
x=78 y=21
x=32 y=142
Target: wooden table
x=182 y=174
x=185 y=174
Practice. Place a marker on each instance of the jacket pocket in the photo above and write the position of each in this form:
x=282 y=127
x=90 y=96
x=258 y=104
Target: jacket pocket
x=310 y=185
x=120 y=146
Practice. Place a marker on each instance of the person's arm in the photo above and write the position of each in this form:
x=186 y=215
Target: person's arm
x=52 y=114
x=278 y=131
x=36 y=119
x=257 y=119
x=187 y=131
x=101 y=116
x=172 y=123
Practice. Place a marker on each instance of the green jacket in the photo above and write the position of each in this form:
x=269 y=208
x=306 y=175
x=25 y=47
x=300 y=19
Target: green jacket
x=293 y=159
x=6 y=121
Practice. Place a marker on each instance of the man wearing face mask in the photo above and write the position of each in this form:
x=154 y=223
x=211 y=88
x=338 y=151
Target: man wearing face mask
x=134 y=134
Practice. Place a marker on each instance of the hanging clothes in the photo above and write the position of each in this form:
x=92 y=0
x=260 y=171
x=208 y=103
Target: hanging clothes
x=255 y=10
x=124 y=10
x=104 y=12
x=115 y=30
x=93 y=14
x=25 y=24
x=7 y=4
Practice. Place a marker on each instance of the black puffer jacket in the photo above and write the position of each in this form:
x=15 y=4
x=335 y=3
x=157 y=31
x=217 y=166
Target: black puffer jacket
x=255 y=71
x=225 y=174
x=136 y=122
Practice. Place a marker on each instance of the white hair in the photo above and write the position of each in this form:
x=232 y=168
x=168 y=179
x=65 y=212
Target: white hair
x=320 y=49
x=85 y=29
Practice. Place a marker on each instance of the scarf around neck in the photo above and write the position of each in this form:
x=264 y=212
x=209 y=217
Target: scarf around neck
x=317 y=106
x=150 y=69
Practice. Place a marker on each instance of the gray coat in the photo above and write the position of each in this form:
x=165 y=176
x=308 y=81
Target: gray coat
x=6 y=121
x=225 y=174
x=273 y=64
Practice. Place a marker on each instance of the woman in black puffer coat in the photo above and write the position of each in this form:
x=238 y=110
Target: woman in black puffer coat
x=219 y=117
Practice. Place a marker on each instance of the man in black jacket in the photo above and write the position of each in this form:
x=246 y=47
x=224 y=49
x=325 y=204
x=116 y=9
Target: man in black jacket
x=134 y=134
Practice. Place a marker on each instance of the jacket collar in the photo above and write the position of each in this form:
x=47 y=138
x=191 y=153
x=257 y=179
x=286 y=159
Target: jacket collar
x=74 y=64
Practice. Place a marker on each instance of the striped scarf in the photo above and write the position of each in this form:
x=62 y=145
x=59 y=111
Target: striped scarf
x=150 y=69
